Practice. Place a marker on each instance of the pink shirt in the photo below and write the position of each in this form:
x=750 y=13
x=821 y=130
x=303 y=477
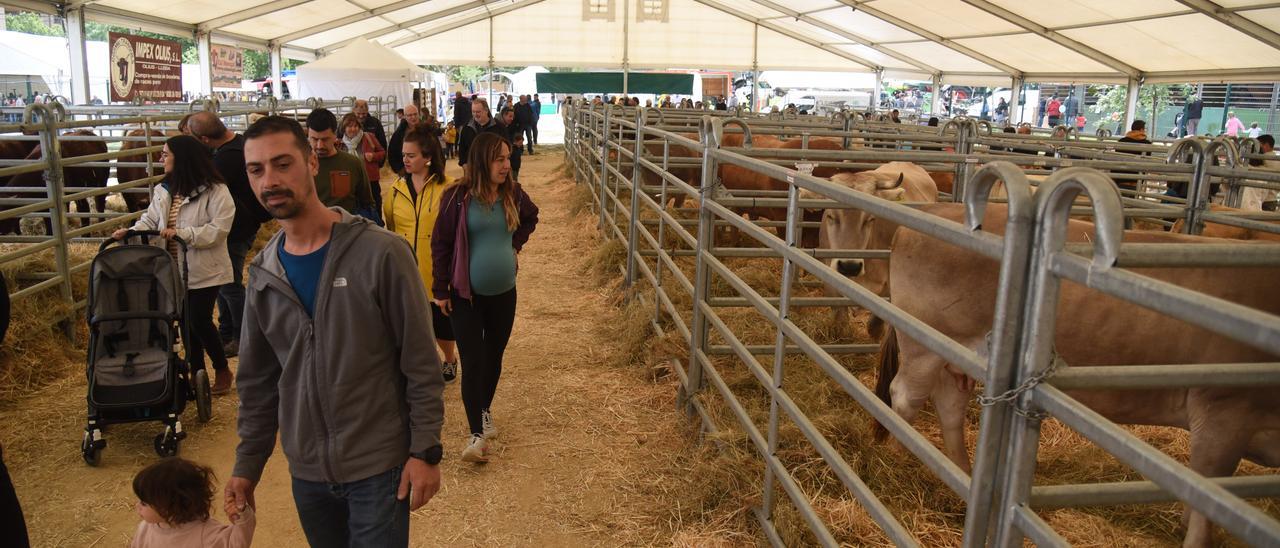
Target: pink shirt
x=1234 y=126
x=197 y=534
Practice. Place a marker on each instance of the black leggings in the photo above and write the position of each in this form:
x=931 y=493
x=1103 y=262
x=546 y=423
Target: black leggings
x=483 y=327
x=204 y=337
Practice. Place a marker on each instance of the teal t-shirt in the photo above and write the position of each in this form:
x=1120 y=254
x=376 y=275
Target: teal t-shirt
x=493 y=260
x=303 y=272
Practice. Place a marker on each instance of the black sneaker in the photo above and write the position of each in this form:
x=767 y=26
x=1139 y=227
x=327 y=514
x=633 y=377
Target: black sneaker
x=232 y=348
x=450 y=371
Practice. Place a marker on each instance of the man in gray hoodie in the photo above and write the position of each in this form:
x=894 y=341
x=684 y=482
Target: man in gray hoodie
x=337 y=356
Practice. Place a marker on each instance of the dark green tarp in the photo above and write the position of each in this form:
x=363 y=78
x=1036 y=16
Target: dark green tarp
x=611 y=82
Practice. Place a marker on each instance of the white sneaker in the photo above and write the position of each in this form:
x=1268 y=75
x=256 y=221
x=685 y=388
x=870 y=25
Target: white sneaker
x=477 y=450
x=490 y=431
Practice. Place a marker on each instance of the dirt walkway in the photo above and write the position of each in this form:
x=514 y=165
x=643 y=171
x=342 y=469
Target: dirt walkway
x=579 y=439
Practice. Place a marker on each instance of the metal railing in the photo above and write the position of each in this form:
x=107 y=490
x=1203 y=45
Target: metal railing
x=635 y=161
x=45 y=124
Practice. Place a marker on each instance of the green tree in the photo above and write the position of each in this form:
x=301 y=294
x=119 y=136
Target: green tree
x=31 y=23
x=1111 y=100
x=257 y=64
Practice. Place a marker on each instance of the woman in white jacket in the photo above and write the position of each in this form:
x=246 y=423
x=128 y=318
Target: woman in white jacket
x=193 y=203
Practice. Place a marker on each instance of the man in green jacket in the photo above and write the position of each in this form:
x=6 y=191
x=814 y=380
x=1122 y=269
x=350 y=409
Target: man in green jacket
x=341 y=180
x=337 y=357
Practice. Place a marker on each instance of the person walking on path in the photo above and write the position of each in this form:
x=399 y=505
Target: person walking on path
x=193 y=203
x=394 y=151
x=337 y=357
x=369 y=124
x=175 y=502
x=484 y=222
x=524 y=119
x=411 y=212
x=1054 y=111
x=1194 y=111
x=513 y=130
x=363 y=145
x=341 y=180
x=228 y=158
x=461 y=111
x=482 y=121
x=1234 y=125
x=537 y=115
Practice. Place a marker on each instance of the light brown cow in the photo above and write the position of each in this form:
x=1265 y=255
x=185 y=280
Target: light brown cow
x=1217 y=230
x=954 y=290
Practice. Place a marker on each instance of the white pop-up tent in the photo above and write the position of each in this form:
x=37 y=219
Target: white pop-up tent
x=361 y=69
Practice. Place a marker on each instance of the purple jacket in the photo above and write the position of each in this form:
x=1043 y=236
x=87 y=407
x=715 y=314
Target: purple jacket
x=450 y=252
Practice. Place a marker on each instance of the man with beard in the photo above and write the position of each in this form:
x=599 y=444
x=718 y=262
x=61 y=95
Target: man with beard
x=337 y=356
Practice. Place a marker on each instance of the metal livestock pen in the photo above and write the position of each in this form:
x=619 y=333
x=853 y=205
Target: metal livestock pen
x=611 y=149
x=45 y=122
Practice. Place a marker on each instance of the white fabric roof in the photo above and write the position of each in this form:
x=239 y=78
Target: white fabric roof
x=971 y=41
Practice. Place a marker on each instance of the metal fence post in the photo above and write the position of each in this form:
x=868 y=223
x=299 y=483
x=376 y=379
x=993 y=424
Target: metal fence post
x=1197 y=191
x=1054 y=200
x=604 y=168
x=53 y=177
x=1005 y=331
x=637 y=184
x=711 y=131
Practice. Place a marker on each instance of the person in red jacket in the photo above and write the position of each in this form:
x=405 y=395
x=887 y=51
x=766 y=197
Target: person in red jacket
x=364 y=145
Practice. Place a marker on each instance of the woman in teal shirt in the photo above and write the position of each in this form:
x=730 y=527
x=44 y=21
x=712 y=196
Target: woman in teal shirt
x=483 y=224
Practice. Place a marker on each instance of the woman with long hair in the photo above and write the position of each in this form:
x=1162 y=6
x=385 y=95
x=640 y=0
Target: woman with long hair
x=484 y=222
x=193 y=203
x=411 y=210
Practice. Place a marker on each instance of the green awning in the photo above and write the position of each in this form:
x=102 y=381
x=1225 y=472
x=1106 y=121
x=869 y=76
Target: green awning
x=611 y=82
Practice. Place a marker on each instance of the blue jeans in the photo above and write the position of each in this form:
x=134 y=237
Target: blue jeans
x=358 y=514
x=231 y=296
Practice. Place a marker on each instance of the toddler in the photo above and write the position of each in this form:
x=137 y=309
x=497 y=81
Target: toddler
x=174 y=500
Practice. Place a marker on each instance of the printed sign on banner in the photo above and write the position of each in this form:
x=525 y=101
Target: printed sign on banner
x=144 y=67
x=228 y=67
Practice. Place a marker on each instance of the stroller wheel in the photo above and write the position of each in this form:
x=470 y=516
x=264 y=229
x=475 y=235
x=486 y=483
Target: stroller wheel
x=166 y=444
x=91 y=449
x=204 y=399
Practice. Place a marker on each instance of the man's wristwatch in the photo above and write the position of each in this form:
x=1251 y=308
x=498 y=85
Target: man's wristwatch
x=431 y=456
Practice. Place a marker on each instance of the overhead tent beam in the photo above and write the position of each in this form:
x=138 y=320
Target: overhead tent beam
x=347 y=20
x=410 y=24
x=489 y=14
x=855 y=4
x=1055 y=37
x=788 y=33
x=1235 y=21
x=129 y=19
x=244 y=15
x=833 y=29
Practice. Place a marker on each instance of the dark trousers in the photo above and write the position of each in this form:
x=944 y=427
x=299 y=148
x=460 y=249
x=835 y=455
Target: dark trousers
x=483 y=327
x=231 y=296
x=358 y=514
x=376 y=188
x=203 y=336
x=529 y=133
x=535 y=132
x=13 y=528
x=516 y=157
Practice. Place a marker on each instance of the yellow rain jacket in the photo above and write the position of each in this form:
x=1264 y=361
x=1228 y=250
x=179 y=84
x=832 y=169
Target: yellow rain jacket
x=414 y=219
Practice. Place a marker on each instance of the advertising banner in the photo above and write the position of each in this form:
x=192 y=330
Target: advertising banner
x=228 y=67
x=145 y=67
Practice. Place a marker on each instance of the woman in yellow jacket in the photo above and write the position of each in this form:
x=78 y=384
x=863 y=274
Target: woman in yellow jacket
x=410 y=211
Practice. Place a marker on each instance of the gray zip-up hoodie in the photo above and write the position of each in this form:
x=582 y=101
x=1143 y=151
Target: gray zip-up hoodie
x=358 y=388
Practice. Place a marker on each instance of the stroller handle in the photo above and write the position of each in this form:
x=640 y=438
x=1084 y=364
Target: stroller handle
x=146 y=239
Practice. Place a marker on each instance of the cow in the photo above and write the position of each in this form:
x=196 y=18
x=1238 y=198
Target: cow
x=137 y=202
x=14 y=150
x=1217 y=230
x=74 y=176
x=954 y=290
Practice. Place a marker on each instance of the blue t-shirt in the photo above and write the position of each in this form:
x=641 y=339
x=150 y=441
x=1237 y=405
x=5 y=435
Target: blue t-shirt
x=303 y=272
x=493 y=259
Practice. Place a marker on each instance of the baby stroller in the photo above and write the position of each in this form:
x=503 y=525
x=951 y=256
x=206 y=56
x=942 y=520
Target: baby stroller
x=137 y=305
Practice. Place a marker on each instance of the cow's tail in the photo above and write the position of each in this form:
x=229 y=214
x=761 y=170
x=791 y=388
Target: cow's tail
x=884 y=377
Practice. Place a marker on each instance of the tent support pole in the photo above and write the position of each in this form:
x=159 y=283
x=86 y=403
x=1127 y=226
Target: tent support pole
x=626 y=42
x=74 y=21
x=204 y=47
x=935 y=104
x=755 y=67
x=1015 y=100
x=491 y=61
x=277 y=79
x=875 y=93
x=1131 y=103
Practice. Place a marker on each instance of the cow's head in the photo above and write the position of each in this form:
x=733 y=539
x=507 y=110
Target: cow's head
x=858 y=230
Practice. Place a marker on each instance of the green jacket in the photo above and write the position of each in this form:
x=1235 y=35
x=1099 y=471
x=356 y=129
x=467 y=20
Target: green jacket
x=343 y=182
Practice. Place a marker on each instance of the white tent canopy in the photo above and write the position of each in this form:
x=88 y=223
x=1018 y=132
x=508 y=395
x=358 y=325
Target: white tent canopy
x=361 y=69
x=959 y=41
